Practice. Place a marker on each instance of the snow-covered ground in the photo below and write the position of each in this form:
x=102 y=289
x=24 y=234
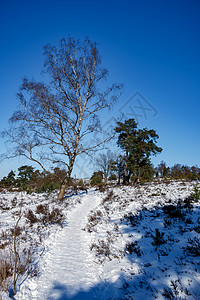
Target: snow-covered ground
x=125 y=243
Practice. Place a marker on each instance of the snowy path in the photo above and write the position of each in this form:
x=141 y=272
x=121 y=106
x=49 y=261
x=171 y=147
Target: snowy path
x=67 y=269
x=124 y=262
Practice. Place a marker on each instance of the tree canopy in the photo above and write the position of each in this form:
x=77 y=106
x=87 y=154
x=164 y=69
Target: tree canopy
x=138 y=145
x=57 y=117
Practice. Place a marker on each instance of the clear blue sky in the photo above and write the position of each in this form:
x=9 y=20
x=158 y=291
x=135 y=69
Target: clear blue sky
x=153 y=47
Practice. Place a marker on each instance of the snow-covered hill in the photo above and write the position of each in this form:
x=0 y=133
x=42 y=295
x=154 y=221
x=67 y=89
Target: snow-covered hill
x=125 y=243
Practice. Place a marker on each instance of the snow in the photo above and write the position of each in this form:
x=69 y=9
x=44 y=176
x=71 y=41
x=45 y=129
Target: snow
x=120 y=244
x=67 y=266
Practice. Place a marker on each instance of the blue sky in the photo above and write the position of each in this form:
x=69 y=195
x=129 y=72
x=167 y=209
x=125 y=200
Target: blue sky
x=151 y=46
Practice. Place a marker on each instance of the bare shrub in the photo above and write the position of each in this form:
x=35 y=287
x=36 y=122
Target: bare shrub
x=193 y=247
x=6 y=271
x=55 y=216
x=21 y=248
x=158 y=238
x=109 y=197
x=131 y=219
x=174 y=211
x=102 y=250
x=176 y=290
x=93 y=220
x=31 y=217
x=105 y=249
x=42 y=209
x=133 y=247
x=4 y=239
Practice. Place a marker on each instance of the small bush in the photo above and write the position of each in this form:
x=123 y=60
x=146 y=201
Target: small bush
x=102 y=187
x=17 y=230
x=80 y=183
x=193 y=247
x=173 y=211
x=52 y=187
x=109 y=197
x=6 y=271
x=158 y=238
x=112 y=177
x=155 y=194
x=132 y=219
x=133 y=248
x=93 y=220
x=42 y=209
x=187 y=203
x=102 y=250
x=55 y=216
x=175 y=291
x=197 y=229
x=96 y=178
x=31 y=217
x=196 y=193
x=167 y=222
x=95 y=217
x=3 y=245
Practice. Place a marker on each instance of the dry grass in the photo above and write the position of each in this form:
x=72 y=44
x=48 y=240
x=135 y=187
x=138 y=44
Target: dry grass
x=6 y=271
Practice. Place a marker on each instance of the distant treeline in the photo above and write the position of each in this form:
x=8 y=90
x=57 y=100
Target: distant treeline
x=148 y=173
x=178 y=171
x=30 y=180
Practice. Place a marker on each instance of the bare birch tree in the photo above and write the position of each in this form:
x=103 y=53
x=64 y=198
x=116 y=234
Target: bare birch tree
x=104 y=161
x=56 y=119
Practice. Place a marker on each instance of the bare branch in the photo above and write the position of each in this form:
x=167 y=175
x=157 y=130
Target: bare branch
x=55 y=118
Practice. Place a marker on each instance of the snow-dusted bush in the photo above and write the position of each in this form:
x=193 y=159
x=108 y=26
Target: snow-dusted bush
x=158 y=238
x=6 y=271
x=45 y=215
x=193 y=247
x=133 y=247
x=196 y=193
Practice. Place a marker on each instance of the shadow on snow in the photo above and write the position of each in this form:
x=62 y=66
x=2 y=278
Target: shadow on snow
x=163 y=251
x=100 y=291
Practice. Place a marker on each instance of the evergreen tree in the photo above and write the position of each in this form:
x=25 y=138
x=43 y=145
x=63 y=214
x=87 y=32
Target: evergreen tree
x=96 y=178
x=138 y=145
x=118 y=167
x=25 y=173
x=9 y=181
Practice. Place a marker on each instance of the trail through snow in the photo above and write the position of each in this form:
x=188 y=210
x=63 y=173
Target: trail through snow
x=67 y=268
x=126 y=243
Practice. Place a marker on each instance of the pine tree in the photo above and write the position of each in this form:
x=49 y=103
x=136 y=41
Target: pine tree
x=25 y=173
x=138 y=145
x=9 y=181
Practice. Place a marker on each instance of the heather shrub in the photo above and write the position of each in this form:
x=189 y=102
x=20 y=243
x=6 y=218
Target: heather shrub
x=31 y=217
x=158 y=238
x=45 y=216
x=193 y=247
x=196 y=193
x=6 y=271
